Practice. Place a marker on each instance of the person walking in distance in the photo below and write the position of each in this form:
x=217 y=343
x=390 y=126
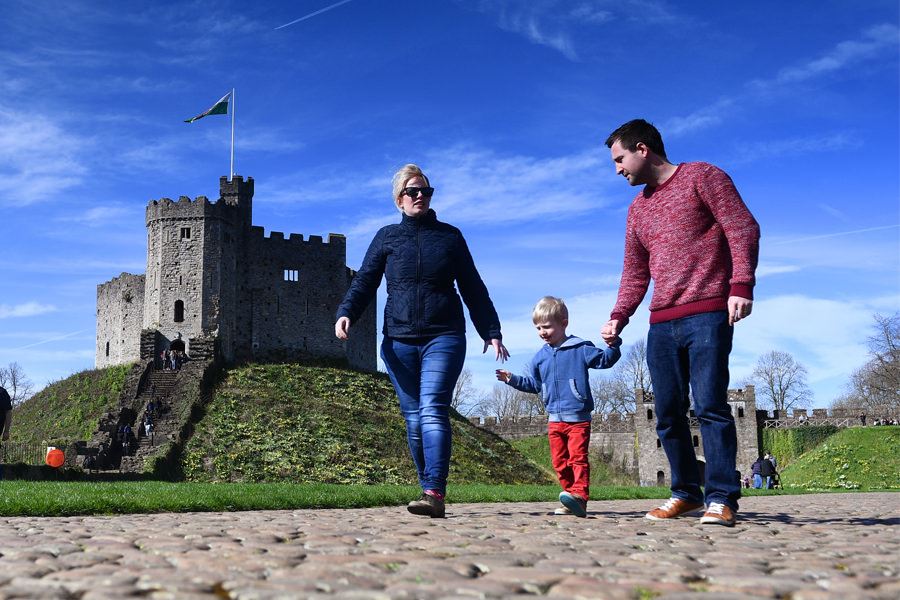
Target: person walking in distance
x=691 y=233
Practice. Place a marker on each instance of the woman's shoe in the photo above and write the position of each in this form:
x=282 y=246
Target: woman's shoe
x=427 y=506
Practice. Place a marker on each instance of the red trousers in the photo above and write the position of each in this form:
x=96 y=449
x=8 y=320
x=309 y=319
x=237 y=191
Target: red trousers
x=569 y=453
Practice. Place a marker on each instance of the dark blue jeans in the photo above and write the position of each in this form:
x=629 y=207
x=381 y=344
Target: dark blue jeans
x=424 y=373
x=692 y=353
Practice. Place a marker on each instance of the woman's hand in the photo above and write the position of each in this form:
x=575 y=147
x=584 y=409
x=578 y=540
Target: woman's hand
x=499 y=348
x=342 y=328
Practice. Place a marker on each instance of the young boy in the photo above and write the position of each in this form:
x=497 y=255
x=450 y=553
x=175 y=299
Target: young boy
x=559 y=372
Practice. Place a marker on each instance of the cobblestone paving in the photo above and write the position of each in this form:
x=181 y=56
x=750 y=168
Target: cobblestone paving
x=797 y=547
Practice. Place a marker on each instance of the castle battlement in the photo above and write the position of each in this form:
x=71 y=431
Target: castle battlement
x=296 y=239
x=185 y=208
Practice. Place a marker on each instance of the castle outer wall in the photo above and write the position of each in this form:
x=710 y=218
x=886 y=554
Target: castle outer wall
x=120 y=314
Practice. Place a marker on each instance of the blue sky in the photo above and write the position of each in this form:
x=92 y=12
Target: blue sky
x=504 y=103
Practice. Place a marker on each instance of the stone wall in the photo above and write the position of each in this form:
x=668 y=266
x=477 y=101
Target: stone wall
x=120 y=311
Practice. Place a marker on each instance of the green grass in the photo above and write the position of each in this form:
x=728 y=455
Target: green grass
x=45 y=498
x=305 y=424
x=857 y=458
x=537 y=450
x=68 y=409
x=787 y=445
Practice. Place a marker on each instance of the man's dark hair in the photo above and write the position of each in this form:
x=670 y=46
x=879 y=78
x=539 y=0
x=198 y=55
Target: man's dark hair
x=638 y=130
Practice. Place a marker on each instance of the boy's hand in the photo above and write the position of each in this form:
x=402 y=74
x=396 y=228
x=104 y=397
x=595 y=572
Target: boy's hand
x=503 y=375
x=616 y=341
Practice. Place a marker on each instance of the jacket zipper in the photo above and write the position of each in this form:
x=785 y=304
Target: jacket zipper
x=418 y=283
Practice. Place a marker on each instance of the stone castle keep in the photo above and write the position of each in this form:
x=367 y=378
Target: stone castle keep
x=217 y=287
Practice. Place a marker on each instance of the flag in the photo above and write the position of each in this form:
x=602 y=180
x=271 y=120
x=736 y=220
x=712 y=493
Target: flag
x=219 y=108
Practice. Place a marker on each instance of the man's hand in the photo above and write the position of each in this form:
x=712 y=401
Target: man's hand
x=738 y=308
x=342 y=328
x=610 y=331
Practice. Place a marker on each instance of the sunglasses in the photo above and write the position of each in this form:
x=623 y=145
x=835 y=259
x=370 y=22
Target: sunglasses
x=413 y=192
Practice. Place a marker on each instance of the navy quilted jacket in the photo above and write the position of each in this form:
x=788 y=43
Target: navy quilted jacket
x=421 y=259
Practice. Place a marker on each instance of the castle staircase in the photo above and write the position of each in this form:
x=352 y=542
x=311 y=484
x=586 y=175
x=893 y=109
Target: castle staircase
x=181 y=397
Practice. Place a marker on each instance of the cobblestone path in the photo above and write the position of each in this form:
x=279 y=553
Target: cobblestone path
x=797 y=547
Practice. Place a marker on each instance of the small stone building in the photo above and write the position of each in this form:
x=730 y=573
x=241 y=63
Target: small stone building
x=218 y=286
x=653 y=466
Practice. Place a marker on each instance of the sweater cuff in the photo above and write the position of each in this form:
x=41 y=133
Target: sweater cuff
x=622 y=318
x=741 y=290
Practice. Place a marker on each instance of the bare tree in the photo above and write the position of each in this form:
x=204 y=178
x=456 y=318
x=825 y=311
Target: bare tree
x=506 y=402
x=876 y=385
x=615 y=393
x=781 y=381
x=15 y=381
x=465 y=395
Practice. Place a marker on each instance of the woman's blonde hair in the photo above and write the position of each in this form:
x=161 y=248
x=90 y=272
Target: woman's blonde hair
x=406 y=173
x=550 y=308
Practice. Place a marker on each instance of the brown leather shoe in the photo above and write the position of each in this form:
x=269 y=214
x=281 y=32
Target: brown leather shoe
x=718 y=514
x=674 y=507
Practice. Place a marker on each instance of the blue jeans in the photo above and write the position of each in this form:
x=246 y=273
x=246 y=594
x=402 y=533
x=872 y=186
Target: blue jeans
x=692 y=352
x=424 y=373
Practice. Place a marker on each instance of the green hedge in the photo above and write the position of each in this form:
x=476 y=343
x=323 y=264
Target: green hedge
x=787 y=445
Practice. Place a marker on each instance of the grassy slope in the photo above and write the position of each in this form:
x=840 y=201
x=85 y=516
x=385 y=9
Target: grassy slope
x=537 y=449
x=293 y=423
x=68 y=409
x=858 y=458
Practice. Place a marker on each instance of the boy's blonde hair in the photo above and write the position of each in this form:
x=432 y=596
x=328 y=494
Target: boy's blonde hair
x=550 y=308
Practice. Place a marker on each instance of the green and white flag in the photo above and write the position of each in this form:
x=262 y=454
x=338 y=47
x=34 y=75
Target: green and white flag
x=219 y=108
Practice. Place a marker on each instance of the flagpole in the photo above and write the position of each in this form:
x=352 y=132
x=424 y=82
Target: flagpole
x=231 y=174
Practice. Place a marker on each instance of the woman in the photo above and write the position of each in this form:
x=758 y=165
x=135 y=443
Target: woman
x=424 y=342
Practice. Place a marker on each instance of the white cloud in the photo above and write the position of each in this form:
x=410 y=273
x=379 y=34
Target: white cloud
x=28 y=309
x=764 y=269
x=37 y=158
x=751 y=151
x=844 y=55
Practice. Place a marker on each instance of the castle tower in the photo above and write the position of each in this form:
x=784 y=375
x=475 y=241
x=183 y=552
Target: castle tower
x=192 y=250
x=653 y=465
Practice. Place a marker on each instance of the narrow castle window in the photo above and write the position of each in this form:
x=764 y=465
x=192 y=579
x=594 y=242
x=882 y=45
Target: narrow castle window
x=179 y=311
x=740 y=411
x=696 y=442
x=185 y=233
x=107 y=348
x=658 y=443
x=291 y=275
x=649 y=414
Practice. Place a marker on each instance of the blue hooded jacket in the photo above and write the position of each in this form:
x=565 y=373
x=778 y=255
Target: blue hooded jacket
x=560 y=375
x=422 y=258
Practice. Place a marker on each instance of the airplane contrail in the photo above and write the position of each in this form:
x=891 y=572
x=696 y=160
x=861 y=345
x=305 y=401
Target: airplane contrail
x=313 y=14
x=831 y=235
x=53 y=339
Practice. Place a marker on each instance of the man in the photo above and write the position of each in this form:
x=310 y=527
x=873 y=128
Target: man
x=689 y=231
x=5 y=418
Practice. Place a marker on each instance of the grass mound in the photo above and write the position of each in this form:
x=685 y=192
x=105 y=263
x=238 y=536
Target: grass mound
x=858 y=458
x=68 y=409
x=304 y=424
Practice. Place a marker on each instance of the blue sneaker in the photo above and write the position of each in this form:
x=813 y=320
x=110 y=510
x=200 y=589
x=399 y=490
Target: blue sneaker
x=575 y=503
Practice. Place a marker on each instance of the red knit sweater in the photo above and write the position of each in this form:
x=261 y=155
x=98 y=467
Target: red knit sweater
x=695 y=238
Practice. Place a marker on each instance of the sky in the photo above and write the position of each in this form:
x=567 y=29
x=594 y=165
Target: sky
x=505 y=104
